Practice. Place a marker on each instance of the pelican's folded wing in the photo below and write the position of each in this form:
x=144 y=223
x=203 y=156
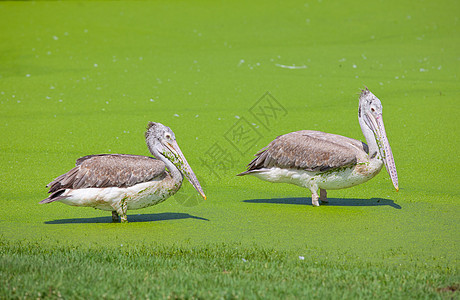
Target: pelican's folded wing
x=109 y=170
x=308 y=150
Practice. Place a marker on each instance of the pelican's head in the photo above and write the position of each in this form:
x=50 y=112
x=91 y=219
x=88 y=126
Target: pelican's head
x=370 y=115
x=162 y=143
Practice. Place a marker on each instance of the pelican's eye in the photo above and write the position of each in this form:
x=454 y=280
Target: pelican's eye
x=372 y=109
x=167 y=136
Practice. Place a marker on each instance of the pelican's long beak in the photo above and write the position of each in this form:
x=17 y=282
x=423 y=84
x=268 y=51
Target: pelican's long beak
x=182 y=164
x=384 y=147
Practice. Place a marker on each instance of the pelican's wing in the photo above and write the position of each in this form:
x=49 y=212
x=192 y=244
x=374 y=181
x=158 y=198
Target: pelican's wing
x=109 y=170
x=308 y=150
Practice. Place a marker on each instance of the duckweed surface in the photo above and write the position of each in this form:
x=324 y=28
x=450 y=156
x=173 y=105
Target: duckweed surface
x=80 y=78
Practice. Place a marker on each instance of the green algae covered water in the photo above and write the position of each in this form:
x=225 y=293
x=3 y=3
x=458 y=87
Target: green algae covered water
x=80 y=78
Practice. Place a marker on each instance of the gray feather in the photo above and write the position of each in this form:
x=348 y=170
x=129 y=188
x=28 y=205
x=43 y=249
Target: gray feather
x=308 y=150
x=108 y=170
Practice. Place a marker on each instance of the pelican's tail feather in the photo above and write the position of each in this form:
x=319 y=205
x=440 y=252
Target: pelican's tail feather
x=56 y=196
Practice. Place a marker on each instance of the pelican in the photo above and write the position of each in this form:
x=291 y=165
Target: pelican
x=121 y=182
x=323 y=161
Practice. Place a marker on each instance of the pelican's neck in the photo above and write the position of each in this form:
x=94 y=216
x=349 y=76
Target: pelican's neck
x=370 y=138
x=174 y=172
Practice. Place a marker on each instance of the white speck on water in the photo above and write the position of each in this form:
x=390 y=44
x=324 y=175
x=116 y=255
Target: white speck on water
x=95 y=65
x=342 y=59
x=151 y=100
x=121 y=245
x=141 y=58
x=257 y=64
x=51 y=87
x=356 y=76
x=55 y=38
x=237 y=117
x=381 y=83
x=106 y=102
x=244 y=260
x=396 y=77
x=423 y=70
x=60 y=100
x=49 y=52
x=363 y=56
x=176 y=115
x=27 y=75
x=372 y=37
x=14 y=96
x=196 y=138
x=241 y=62
x=301 y=257
x=355 y=66
x=189 y=93
x=197 y=116
x=218 y=119
x=85 y=30
x=440 y=67
x=116 y=137
x=19 y=101
x=291 y=67
x=66 y=33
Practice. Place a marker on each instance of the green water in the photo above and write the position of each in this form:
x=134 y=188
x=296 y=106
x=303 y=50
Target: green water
x=80 y=78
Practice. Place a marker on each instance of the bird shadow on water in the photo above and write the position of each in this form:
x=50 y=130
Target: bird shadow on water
x=131 y=218
x=332 y=202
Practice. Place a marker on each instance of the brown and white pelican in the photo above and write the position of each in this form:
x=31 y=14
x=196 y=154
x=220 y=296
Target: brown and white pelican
x=121 y=182
x=323 y=161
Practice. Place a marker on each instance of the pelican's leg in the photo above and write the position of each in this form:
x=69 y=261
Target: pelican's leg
x=115 y=216
x=323 y=195
x=124 y=210
x=314 y=194
x=314 y=198
x=119 y=210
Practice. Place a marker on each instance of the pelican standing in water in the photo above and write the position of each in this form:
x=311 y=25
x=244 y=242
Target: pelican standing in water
x=121 y=182
x=323 y=161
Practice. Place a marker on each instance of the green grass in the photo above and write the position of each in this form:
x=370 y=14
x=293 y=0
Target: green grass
x=80 y=78
x=158 y=271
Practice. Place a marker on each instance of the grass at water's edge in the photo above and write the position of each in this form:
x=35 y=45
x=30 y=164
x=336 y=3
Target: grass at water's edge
x=29 y=270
